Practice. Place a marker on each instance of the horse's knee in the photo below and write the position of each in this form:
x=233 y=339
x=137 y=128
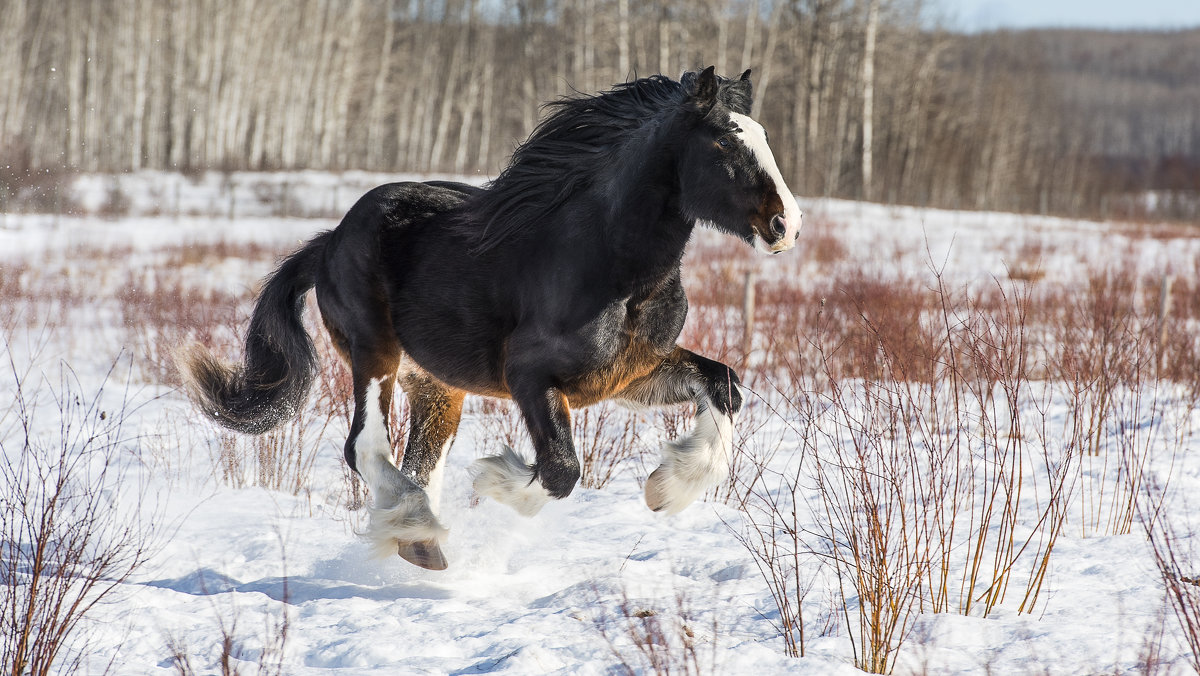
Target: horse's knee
x=725 y=392
x=559 y=475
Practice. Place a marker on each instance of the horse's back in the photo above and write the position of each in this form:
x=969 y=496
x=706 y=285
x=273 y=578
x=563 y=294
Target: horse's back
x=394 y=205
x=356 y=264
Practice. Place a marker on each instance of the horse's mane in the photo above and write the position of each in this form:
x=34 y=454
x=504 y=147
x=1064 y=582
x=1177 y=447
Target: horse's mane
x=566 y=153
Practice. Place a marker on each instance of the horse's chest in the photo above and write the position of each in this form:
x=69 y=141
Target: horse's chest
x=629 y=342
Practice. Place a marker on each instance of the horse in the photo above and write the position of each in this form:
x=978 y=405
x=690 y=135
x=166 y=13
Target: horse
x=557 y=285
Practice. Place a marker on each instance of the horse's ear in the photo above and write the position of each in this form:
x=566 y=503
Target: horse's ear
x=704 y=90
x=706 y=84
x=739 y=95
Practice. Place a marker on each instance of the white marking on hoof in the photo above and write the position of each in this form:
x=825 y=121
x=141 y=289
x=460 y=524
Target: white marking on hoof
x=693 y=464
x=508 y=479
x=409 y=520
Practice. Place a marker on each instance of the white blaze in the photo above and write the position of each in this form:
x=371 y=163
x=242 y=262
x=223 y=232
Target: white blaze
x=752 y=134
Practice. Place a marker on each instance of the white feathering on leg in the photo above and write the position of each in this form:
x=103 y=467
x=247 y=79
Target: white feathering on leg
x=693 y=464
x=401 y=511
x=433 y=487
x=508 y=479
x=409 y=520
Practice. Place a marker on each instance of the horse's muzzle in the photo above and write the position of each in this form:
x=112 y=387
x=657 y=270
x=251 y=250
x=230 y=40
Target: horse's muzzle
x=784 y=234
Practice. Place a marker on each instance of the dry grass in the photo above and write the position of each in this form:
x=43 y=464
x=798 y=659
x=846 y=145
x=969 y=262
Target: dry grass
x=921 y=461
x=66 y=543
x=606 y=438
x=650 y=637
x=1175 y=558
x=231 y=658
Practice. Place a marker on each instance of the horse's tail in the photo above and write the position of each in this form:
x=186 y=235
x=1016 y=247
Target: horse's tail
x=269 y=387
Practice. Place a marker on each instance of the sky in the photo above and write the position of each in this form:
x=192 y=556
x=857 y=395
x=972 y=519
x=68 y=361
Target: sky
x=976 y=15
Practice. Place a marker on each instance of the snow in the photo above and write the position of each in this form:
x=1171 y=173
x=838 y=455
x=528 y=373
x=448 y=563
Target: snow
x=522 y=596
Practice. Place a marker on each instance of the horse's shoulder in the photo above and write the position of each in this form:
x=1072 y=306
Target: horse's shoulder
x=657 y=314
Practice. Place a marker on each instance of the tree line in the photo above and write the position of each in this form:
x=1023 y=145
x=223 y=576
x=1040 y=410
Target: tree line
x=862 y=98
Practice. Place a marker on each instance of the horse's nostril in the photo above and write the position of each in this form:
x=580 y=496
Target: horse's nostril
x=778 y=225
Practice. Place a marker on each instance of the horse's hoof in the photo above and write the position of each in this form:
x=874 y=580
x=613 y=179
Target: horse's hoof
x=656 y=490
x=427 y=555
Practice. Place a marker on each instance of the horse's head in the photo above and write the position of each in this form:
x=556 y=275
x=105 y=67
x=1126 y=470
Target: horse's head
x=728 y=176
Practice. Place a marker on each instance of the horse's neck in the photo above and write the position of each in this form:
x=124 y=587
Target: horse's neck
x=644 y=250
x=645 y=230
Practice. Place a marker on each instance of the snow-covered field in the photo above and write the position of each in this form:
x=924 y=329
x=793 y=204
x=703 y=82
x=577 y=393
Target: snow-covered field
x=276 y=577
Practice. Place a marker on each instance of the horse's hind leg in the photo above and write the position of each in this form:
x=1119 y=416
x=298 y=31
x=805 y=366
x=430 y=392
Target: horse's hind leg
x=434 y=413
x=401 y=519
x=694 y=463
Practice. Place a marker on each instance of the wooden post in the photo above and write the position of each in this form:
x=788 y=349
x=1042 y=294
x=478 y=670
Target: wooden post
x=748 y=316
x=1164 y=309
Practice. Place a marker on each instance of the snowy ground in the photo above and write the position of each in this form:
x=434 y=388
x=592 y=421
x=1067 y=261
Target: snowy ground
x=557 y=593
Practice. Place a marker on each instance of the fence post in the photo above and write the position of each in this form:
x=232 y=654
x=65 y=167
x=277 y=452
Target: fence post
x=1164 y=309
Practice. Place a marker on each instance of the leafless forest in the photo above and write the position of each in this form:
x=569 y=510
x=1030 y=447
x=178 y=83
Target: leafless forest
x=863 y=98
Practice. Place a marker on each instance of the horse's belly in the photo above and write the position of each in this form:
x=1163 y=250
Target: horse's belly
x=455 y=350
x=636 y=361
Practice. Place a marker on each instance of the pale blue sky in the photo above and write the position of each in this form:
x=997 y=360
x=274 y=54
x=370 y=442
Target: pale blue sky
x=986 y=14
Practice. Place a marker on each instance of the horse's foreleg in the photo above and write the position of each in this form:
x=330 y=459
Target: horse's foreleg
x=698 y=461
x=434 y=413
x=507 y=479
x=401 y=519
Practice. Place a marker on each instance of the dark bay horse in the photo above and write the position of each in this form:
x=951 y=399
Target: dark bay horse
x=557 y=285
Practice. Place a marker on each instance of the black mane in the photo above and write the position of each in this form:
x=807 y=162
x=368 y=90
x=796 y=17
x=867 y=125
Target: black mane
x=569 y=149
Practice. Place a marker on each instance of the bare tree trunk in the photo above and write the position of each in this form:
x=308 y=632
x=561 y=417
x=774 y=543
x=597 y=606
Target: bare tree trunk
x=721 y=16
x=346 y=85
x=664 y=41
x=10 y=68
x=623 y=40
x=142 y=50
x=483 y=159
x=528 y=83
x=768 y=58
x=322 y=107
x=76 y=75
x=471 y=102
x=913 y=127
x=589 y=46
x=752 y=9
x=92 y=85
x=868 y=79
x=179 y=77
x=452 y=78
x=376 y=117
